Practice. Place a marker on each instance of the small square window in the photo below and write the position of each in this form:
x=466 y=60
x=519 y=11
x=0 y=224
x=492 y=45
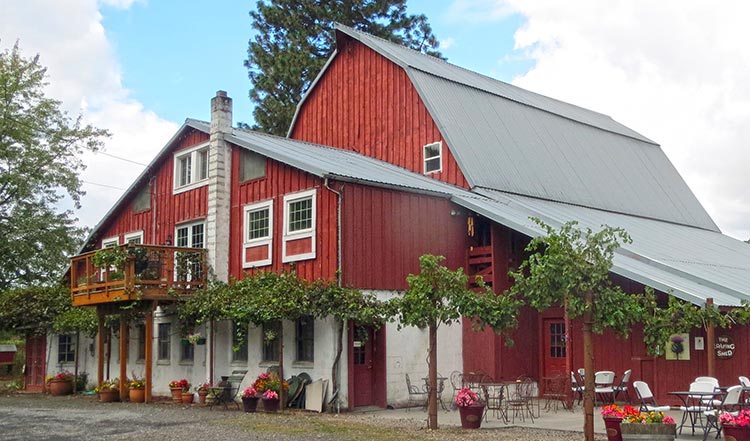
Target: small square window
x=300 y=215
x=66 y=349
x=433 y=161
x=258 y=223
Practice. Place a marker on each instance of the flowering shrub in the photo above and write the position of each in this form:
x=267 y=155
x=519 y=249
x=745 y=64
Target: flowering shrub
x=270 y=395
x=466 y=397
x=137 y=383
x=612 y=411
x=113 y=384
x=61 y=376
x=180 y=384
x=249 y=392
x=634 y=416
x=269 y=381
x=742 y=419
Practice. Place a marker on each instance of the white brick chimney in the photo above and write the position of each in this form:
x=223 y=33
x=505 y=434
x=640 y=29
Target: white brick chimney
x=219 y=171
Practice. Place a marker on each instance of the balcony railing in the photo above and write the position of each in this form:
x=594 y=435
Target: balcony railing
x=147 y=272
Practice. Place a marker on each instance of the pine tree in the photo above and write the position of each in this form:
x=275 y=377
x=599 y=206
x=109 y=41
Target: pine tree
x=295 y=39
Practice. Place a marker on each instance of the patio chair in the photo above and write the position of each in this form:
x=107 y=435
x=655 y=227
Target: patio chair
x=519 y=399
x=457 y=382
x=622 y=388
x=730 y=403
x=603 y=381
x=416 y=395
x=582 y=375
x=745 y=382
x=226 y=395
x=576 y=387
x=646 y=398
x=494 y=394
x=696 y=405
x=474 y=380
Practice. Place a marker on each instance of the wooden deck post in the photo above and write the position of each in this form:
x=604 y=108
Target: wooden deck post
x=123 y=356
x=100 y=346
x=149 y=350
x=710 y=343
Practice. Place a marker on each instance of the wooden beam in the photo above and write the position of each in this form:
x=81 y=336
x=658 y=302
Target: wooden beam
x=149 y=350
x=710 y=343
x=123 y=356
x=100 y=346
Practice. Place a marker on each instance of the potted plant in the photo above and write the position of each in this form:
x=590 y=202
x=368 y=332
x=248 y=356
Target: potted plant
x=250 y=399
x=60 y=383
x=202 y=390
x=651 y=425
x=612 y=415
x=470 y=408
x=737 y=426
x=137 y=390
x=195 y=338
x=269 y=381
x=177 y=386
x=109 y=390
x=186 y=396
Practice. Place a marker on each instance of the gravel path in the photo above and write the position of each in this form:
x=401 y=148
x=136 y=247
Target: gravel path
x=41 y=417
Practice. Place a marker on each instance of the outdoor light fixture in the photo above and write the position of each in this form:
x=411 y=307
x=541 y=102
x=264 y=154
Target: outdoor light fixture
x=168 y=242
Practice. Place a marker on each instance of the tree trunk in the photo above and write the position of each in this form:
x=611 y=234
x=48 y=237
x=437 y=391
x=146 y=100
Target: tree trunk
x=337 y=362
x=588 y=366
x=282 y=395
x=432 y=419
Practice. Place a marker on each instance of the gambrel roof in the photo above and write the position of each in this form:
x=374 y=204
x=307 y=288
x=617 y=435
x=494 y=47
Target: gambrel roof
x=509 y=139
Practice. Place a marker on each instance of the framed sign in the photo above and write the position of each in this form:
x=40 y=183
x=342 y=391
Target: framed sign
x=724 y=347
x=678 y=347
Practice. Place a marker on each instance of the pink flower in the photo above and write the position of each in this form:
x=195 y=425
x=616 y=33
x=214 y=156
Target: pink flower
x=466 y=397
x=270 y=395
x=249 y=392
x=667 y=420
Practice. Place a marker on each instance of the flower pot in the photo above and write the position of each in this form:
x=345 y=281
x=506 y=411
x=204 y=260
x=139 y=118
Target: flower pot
x=471 y=416
x=137 y=395
x=613 y=428
x=187 y=398
x=271 y=404
x=109 y=396
x=736 y=433
x=250 y=404
x=176 y=395
x=60 y=387
x=202 y=394
x=659 y=432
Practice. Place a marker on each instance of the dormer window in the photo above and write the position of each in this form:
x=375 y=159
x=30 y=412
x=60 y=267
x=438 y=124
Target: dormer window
x=191 y=168
x=433 y=158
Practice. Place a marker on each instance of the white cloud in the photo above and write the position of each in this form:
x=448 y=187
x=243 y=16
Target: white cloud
x=447 y=43
x=84 y=74
x=477 y=11
x=674 y=71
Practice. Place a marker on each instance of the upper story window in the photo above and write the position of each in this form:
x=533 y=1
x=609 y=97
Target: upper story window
x=433 y=158
x=135 y=238
x=190 y=235
x=252 y=166
x=142 y=201
x=299 y=226
x=190 y=168
x=258 y=234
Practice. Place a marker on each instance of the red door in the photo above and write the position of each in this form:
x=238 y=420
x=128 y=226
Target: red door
x=554 y=348
x=35 y=368
x=362 y=343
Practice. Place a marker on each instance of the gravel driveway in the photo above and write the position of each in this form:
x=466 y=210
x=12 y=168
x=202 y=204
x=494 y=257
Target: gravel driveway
x=42 y=417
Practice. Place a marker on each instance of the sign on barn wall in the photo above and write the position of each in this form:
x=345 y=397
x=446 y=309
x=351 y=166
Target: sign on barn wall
x=724 y=347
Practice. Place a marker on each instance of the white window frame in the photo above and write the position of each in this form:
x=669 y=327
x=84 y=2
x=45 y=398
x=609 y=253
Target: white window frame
x=300 y=234
x=109 y=242
x=189 y=226
x=134 y=235
x=194 y=181
x=439 y=157
x=259 y=241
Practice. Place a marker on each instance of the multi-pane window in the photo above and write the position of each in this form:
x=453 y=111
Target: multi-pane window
x=299 y=226
x=135 y=238
x=433 y=161
x=252 y=166
x=300 y=215
x=187 y=351
x=190 y=168
x=305 y=338
x=239 y=342
x=258 y=225
x=66 y=349
x=258 y=234
x=190 y=235
x=141 y=332
x=271 y=331
x=163 y=342
x=557 y=340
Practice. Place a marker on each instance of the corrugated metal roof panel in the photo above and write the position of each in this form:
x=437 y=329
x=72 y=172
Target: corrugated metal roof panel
x=503 y=145
x=406 y=57
x=694 y=264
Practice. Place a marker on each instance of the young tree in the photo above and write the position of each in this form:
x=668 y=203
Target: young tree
x=40 y=148
x=294 y=40
x=438 y=296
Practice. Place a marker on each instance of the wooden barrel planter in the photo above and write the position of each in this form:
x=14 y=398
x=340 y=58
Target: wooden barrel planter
x=656 y=432
x=57 y=388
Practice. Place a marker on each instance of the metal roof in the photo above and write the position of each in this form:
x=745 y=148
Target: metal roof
x=513 y=140
x=690 y=263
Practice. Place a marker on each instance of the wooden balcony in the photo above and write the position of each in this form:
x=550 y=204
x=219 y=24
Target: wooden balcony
x=148 y=272
x=480 y=263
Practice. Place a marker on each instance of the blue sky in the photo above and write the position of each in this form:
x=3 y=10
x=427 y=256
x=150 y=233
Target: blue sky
x=675 y=71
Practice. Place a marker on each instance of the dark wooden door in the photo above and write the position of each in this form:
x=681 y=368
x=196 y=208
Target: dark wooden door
x=555 y=352
x=35 y=368
x=362 y=344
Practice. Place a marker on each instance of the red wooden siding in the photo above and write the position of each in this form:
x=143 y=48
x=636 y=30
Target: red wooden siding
x=279 y=181
x=167 y=209
x=385 y=232
x=367 y=104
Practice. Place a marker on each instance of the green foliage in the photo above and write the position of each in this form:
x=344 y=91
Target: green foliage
x=294 y=39
x=438 y=295
x=40 y=149
x=76 y=319
x=111 y=257
x=43 y=309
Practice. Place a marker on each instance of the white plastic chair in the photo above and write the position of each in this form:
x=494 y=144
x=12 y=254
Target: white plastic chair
x=648 y=402
x=575 y=387
x=622 y=388
x=697 y=405
x=745 y=382
x=603 y=381
x=730 y=404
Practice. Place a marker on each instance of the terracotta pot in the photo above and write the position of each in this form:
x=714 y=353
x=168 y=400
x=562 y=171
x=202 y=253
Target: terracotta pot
x=187 y=398
x=471 y=416
x=271 y=404
x=250 y=404
x=109 y=396
x=613 y=428
x=57 y=387
x=177 y=395
x=137 y=395
x=735 y=433
x=202 y=394
x=656 y=432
